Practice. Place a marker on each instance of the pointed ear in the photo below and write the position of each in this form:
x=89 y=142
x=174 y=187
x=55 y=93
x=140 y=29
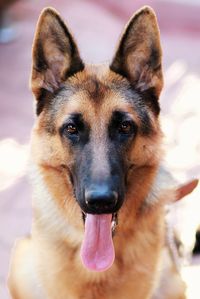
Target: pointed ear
x=55 y=54
x=138 y=56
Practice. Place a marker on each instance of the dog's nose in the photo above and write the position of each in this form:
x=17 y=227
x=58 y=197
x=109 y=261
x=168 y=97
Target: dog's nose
x=101 y=199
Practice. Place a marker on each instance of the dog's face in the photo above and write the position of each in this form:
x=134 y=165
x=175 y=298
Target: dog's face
x=97 y=123
x=97 y=126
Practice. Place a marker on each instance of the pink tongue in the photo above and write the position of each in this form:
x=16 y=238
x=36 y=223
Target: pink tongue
x=97 y=251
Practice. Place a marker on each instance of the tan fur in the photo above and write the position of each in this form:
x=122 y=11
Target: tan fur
x=48 y=264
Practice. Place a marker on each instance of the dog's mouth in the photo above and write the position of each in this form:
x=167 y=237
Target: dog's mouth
x=97 y=250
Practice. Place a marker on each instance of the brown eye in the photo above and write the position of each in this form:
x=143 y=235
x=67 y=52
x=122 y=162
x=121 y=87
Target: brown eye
x=125 y=127
x=71 y=129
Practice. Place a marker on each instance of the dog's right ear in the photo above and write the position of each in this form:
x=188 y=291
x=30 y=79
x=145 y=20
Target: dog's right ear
x=55 y=54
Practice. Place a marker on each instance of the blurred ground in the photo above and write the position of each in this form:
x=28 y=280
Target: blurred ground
x=96 y=25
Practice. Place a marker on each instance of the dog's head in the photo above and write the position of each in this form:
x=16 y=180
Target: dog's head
x=97 y=126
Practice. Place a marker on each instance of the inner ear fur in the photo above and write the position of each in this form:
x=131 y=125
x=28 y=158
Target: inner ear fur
x=55 y=54
x=139 y=55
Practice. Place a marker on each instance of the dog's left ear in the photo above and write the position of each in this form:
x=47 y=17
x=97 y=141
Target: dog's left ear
x=138 y=56
x=55 y=54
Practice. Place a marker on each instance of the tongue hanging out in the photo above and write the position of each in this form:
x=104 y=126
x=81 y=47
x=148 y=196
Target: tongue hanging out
x=97 y=251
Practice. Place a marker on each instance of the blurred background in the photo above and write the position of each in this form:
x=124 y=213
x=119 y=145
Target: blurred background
x=97 y=25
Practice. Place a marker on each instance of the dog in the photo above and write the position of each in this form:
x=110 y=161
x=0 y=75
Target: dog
x=99 y=189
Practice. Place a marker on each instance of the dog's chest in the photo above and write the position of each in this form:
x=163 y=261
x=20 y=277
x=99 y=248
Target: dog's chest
x=132 y=282
x=132 y=275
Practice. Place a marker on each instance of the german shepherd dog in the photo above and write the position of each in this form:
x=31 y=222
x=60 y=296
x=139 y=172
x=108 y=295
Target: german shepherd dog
x=99 y=194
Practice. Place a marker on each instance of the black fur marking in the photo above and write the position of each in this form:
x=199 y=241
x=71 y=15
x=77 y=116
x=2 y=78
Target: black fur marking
x=40 y=60
x=75 y=67
x=82 y=173
x=47 y=100
x=83 y=131
x=113 y=130
x=154 y=59
x=150 y=98
x=43 y=99
x=118 y=68
x=118 y=171
x=196 y=249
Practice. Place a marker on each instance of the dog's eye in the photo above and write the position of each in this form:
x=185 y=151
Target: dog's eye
x=125 y=127
x=71 y=129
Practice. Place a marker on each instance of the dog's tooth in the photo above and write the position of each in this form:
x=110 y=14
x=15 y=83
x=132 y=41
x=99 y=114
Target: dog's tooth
x=113 y=225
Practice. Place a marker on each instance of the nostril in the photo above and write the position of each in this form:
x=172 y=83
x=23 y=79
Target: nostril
x=100 y=198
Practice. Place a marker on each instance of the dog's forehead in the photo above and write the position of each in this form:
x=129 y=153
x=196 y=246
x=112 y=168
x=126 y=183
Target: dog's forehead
x=93 y=92
x=97 y=82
